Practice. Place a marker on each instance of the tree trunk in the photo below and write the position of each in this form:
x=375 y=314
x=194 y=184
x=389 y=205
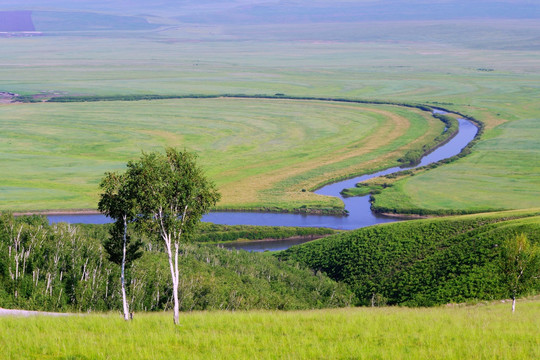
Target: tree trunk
x=513 y=303
x=175 y=286
x=122 y=278
x=174 y=275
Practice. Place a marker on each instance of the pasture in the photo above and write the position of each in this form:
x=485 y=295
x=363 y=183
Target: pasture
x=481 y=331
x=502 y=173
x=489 y=70
x=260 y=152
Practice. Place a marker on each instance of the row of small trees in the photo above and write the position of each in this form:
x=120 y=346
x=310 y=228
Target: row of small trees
x=52 y=267
x=61 y=267
x=164 y=196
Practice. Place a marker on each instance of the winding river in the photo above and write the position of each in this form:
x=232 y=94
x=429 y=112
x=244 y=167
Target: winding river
x=360 y=214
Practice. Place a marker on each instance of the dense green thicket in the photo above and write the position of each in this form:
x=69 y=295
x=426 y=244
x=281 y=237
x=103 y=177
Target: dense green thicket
x=215 y=233
x=64 y=267
x=134 y=97
x=421 y=263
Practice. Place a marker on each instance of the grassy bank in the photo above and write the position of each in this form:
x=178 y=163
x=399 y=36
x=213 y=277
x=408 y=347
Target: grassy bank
x=502 y=173
x=471 y=332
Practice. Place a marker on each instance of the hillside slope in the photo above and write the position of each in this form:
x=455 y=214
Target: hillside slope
x=421 y=263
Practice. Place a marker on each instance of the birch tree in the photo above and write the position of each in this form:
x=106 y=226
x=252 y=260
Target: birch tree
x=172 y=194
x=118 y=202
x=520 y=265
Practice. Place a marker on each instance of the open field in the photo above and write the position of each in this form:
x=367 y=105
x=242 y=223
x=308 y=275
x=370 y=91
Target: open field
x=260 y=152
x=460 y=65
x=456 y=332
x=503 y=173
x=263 y=154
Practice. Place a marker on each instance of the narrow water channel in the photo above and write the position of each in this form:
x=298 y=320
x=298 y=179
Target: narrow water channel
x=360 y=214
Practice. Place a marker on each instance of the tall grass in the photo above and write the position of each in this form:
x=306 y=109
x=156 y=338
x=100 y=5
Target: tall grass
x=470 y=332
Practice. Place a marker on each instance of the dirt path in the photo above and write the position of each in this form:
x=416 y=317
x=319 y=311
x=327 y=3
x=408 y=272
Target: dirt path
x=58 y=212
x=12 y=312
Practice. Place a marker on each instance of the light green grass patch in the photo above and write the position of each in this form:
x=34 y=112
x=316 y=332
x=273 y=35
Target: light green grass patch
x=502 y=173
x=471 y=332
x=57 y=153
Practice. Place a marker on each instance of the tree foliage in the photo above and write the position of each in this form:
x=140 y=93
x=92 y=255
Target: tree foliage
x=420 y=263
x=171 y=194
x=117 y=202
x=520 y=265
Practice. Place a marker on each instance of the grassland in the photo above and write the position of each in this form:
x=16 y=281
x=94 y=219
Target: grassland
x=463 y=332
x=503 y=173
x=486 y=69
x=260 y=152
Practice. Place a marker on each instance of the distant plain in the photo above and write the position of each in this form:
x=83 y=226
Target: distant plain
x=483 y=68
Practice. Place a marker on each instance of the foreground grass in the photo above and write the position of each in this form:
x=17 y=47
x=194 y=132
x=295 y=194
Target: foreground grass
x=471 y=332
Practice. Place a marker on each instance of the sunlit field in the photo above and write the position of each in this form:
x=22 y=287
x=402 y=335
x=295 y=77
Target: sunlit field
x=503 y=173
x=269 y=155
x=260 y=152
x=456 y=65
x=453 y=332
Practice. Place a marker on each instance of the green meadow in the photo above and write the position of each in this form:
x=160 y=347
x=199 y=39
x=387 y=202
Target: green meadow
x=260 y=152
x=482 y=331
x=486 y=69
x=508 y=162
x=268 y=154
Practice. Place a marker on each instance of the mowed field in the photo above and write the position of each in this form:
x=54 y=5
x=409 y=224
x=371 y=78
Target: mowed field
x=453 y=332
x=260 y=152
x=511 y=165
x=461 y=66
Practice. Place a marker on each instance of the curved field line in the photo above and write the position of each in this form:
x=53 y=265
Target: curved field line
x=248 y=190
x=245 y=190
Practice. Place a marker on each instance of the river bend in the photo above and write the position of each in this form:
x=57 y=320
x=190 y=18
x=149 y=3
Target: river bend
x=360 y=214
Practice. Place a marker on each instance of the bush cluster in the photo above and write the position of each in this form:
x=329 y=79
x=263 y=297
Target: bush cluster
x=420 y=263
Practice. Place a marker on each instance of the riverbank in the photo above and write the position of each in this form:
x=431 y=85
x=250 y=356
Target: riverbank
x=57 y=212
x=269 y=244
x=357 y=212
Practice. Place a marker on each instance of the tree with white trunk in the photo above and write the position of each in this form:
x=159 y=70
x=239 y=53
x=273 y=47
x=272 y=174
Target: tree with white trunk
x=170 y=194
x=520 y=265
x=118 y=202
